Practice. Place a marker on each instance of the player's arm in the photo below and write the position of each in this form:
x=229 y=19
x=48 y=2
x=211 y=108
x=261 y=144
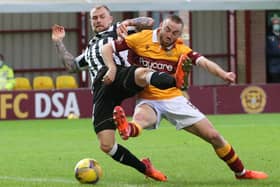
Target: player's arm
x=58 y=34
x=107 y=54
x=138 y=24
x=216 y=70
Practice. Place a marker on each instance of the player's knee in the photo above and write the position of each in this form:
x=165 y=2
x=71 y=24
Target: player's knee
x=105 y=147
x=140 y=72
x=140 y=76
x=145 y=119
x=215 y=139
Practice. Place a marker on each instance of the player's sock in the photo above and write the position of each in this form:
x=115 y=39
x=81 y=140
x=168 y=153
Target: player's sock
x=135 y=129
x=228 y=155
x=161 y=80
x=124 y=156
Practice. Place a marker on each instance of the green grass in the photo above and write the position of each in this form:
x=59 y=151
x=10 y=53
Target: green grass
x=43 y=153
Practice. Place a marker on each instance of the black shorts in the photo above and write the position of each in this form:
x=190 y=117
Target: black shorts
x=106 y=97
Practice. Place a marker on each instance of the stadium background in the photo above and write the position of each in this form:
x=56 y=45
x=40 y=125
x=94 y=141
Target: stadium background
x=232 y=34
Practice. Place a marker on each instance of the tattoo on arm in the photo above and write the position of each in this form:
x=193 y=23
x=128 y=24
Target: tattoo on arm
x=67 y=57
x=142 y=23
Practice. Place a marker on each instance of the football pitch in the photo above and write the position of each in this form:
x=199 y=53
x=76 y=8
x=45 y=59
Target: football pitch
x=43 y=153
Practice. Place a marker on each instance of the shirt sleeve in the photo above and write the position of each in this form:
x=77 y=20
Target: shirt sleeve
x=194 y=56
x=81 y=62
x=119 y=45
x=127 y=43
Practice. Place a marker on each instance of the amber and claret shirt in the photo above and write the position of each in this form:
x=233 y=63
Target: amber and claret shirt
x=150 y=54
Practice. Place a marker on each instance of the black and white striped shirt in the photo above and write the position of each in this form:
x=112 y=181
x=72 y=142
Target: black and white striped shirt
x=92 y=59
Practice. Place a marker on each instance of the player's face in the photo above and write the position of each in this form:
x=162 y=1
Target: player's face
x=169 y=33
x=101 y=19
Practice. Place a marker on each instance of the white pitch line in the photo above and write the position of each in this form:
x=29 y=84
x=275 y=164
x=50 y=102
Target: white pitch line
x=23 y=179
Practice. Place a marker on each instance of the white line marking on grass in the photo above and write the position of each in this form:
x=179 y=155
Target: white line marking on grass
x=61 y=180
x=23 y=179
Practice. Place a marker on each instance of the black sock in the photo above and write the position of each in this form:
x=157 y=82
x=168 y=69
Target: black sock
x=162 y=80
x=125 y=157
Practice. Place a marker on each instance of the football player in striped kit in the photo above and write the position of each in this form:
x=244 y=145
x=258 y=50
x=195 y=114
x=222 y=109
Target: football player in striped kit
x=128 y=80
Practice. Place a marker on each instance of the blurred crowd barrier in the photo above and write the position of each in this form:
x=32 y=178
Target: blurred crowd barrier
x=60 y=103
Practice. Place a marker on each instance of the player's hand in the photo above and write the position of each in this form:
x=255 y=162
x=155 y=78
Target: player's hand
x=230 y=77
x=58 y=33
x=122 y=29
x=109 y=77
x=184 y=57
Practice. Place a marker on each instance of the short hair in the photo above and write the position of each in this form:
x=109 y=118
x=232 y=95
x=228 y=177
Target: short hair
x=102 y=6
x=175 y=18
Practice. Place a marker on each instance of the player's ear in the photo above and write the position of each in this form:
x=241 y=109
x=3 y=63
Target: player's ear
x=161 y=25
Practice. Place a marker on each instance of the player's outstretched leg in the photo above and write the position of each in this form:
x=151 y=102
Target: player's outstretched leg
x=228 y=155
x=122 y=155
x=250 y=174
x=126 y=129
x=152 y=172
